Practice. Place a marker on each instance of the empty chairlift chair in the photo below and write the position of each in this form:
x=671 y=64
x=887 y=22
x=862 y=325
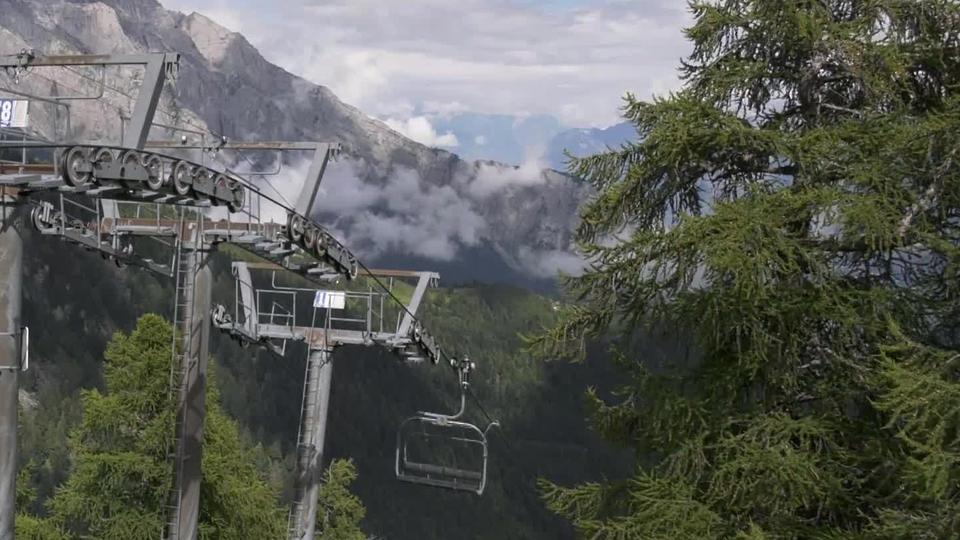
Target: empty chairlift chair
x=440 y=450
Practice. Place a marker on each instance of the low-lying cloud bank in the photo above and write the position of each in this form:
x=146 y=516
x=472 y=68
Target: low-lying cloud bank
x=408 y=215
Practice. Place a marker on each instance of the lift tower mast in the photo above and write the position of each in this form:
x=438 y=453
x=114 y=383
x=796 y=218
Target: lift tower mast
x=11 y=260
x=189 y=377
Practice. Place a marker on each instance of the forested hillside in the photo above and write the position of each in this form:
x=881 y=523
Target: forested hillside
x=75 y=300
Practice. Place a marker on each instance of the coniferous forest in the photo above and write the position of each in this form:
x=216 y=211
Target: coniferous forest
x=764 y=343
x=793 y=210
x=540 y=404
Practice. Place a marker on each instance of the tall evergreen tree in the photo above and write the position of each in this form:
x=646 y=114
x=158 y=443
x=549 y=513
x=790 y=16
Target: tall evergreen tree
x=30 y=527
x=339 y=512
x=120 y=478
x=795 y=210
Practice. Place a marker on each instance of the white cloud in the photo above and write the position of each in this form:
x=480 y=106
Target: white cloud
x=420 y=59
x=443 y=109
x=421 y=130
x=548 y=263
x=480 y=140
x=405 y=215
x=489 y=56
x=493 y=178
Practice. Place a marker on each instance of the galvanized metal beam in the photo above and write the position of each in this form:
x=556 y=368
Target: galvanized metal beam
x=11 y=268
x=156 y=67
x=316 y=407
x=248 y=145
x=375 y=272
x=311 y=184
x=425 y=279
x=26 y=59
x=193 y=404
x=135 y=135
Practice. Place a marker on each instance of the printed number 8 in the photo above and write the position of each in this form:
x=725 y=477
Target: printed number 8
x=6 y=112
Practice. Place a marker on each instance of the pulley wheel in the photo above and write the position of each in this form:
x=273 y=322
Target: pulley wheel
x=129 y=159
x=320 y=245
x=103 y=155
x=73 y=160
x=236 y=190
x=219 y=183
x=201 y=177
x=181 y=178
x=295 y=228
x=309 y=239
x=36 y=217
x=154 y=166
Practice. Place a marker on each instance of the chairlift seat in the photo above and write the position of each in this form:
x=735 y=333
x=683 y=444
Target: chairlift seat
x=441 y=452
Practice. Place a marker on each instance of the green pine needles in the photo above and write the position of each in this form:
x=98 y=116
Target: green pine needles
x=794 y=211
x=120 y=475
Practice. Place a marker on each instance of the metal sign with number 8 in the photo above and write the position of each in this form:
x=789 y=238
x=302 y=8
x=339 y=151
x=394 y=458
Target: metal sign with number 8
x=13 y=113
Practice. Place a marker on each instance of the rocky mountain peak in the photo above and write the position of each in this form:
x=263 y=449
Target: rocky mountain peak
x=212 y=40
x=389 y=196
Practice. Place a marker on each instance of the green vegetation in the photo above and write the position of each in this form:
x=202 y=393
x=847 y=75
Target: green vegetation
x=540 y=406
x=120 y=478
x=74 y=310
x=793 y=211
x=339 y=512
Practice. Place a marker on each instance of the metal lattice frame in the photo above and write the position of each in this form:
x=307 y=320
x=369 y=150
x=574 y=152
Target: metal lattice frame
x=110 y=198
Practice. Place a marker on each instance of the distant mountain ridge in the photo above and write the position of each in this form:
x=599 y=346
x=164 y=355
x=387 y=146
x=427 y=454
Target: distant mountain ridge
x=516 y=140
x=393 y=195
x=498 y=137
x=585 y=142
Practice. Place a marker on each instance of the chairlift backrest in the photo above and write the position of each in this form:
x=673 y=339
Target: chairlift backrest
x=436 y=451
x=441 y=450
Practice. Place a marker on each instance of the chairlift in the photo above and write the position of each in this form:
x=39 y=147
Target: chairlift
x=440 y=450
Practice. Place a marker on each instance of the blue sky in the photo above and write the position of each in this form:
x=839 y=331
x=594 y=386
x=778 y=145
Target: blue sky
x=407 y=62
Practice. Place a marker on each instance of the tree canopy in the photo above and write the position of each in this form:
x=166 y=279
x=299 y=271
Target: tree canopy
x=120 y=478
x=792 y=212
x=339 y=512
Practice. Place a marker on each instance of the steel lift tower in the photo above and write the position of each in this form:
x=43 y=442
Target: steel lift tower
x=11 y=260
x=111 y=198
x=11 y=249
x=111 y=225
x=323 y=320
x=120 y=172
